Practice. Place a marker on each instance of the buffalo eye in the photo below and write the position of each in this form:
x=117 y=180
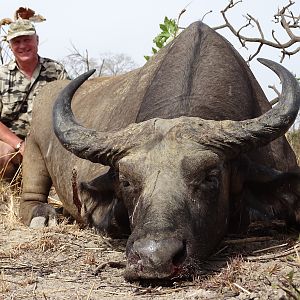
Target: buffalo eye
x=124 y=182
x=207 y=181
x=211 y=180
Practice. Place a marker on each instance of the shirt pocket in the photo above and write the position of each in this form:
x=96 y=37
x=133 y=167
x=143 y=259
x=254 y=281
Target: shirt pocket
x=11 y=105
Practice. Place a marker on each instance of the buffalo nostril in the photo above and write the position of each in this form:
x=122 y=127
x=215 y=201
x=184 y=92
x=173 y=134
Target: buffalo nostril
x=152 y=258
x=181 y=255
x=165 y=252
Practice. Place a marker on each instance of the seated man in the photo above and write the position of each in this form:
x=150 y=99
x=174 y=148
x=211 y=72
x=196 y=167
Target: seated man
x=20 y=81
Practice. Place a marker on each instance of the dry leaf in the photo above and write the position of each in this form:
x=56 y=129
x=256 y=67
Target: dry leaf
x=5 y=21
x=24 y=13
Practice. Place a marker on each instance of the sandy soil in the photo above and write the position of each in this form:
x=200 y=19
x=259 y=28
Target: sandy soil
x=67 y=262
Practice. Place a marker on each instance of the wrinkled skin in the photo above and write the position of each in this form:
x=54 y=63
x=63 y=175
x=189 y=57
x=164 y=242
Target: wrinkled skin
x=155 y=160
x=161 y=213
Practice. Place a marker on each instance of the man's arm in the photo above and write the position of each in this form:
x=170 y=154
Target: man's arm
x=8 y=137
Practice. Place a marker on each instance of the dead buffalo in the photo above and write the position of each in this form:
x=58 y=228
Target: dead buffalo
x=173 y=153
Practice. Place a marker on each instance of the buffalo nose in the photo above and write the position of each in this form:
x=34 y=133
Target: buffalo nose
x=157 y=258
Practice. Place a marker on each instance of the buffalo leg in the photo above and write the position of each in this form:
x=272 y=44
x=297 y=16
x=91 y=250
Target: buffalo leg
x=36 y=185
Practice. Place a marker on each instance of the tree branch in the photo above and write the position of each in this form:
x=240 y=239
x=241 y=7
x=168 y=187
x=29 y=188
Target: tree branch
x=284 y=16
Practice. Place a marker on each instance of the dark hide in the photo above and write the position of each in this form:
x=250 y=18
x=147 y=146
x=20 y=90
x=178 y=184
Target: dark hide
x=262 y=193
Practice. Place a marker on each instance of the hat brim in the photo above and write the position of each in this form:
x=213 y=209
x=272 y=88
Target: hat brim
x=20 y=33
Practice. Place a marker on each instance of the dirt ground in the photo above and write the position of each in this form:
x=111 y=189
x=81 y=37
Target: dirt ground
x=67 y=262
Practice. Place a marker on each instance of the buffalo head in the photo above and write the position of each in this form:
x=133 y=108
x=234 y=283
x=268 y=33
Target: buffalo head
x=172 y=176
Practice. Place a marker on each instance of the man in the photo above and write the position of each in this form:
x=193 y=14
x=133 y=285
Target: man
x=20 y=81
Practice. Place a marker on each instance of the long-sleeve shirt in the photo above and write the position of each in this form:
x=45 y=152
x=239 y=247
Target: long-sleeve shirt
x=17 y=92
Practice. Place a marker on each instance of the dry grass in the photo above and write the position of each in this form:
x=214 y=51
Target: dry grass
x=9 y=203
x=68 y=262
x=294 y=140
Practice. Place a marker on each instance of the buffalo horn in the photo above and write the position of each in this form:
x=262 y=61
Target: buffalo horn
x=95 y=146
x=83 y=142
x=234 y=137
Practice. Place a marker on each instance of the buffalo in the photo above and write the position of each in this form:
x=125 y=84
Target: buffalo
x=172 y=155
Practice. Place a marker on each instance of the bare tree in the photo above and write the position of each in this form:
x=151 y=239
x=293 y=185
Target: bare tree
x=108 y=64
x=114 y=64
x=78 y=62
x=285 y=17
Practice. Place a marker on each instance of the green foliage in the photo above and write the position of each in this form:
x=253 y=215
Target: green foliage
x=169 y=30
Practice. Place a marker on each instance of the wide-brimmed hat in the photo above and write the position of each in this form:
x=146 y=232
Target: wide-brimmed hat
x=20 y=27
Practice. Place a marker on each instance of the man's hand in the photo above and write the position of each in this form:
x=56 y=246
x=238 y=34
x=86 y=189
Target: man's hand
x=21 y=147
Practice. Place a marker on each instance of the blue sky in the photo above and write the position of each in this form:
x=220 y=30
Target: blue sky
x=129 y=26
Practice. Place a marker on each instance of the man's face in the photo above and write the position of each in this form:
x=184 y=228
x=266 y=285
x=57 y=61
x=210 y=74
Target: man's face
x=25 y=47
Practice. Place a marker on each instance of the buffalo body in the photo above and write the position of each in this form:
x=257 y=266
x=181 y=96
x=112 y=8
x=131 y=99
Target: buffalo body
x=161 y=153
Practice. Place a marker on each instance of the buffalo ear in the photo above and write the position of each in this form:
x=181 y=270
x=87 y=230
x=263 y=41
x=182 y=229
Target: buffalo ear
x=263 y=193
x=101 y=208
x=278 y=198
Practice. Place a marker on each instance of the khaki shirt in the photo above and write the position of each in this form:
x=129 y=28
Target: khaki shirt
x=17 y=92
